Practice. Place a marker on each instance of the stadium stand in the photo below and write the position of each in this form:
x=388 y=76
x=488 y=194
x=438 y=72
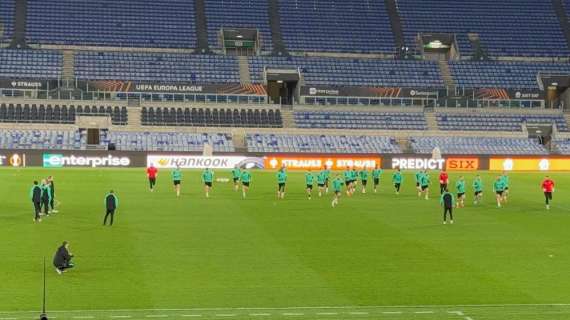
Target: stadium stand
x=489 y=74
x=505 y=28
x=361 y=120
x=205 y=117
x=30 y=64
x=42 y=139
x=252 y=14
x=167 y=141
x=496 y=122
x=7 y=19
x=336 y=26
x=158 y=67
x=320 y=144
x=477 y=145
x=127 y=23
x=64 y=114
x=353 y=72
x=562 y=146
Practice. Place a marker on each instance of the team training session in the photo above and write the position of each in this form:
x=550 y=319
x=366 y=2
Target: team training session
x=285 y=160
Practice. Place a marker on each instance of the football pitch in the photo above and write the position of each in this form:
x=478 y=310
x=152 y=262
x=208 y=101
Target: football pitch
x=375 y=256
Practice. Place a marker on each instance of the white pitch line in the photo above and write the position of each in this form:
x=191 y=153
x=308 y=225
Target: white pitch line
x=459 y=313
x=191 y=315
x=226 y=315
x=327 y=313
x=8 y=318
x=303 y=308
x=423 y=312
x=83 y=317
x=358 y=313
x=119 y=317
x=392 y=312
x=156 y=316
x=293 y=314
x=260 y=314
x=468 y=318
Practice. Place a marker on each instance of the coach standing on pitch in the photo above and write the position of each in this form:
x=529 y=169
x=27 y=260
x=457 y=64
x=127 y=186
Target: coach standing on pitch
x=52 y=193
x=111 y=204
x=447 y=201
x=36 y=196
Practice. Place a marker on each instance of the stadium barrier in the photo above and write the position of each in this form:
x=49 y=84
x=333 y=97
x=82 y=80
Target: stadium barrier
x=134 y=159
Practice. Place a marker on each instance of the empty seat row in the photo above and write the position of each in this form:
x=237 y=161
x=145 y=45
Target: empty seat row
x=204 y=117
x=58 y=114
x=478 y=145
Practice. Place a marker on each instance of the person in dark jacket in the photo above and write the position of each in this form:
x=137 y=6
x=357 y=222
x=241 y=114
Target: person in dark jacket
x=111 y=204
x=62 y=258
x=36 y=197
x=52 y=192
x=46 y=197
x=447 y=202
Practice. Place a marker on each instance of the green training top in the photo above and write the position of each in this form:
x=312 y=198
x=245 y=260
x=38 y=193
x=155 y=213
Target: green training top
x=424 y=180
x=281 y=177
x=364 y=175
x=460 y=186
x=245 y=176
x=176 y=175
x=353 y=175
x=32 y=191
x=419 y=175
x=376 y=173
x=499 y=185
x=309 y=178
x=347 y=175
x=505 y=180
x=208 y=175
x=321 y=178
x=397 y=177
x=327 y=173
x=236 y=173
x=337 y=184
x=478 y=185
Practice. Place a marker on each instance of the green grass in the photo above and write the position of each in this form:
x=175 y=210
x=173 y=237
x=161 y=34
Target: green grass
x=225 y=252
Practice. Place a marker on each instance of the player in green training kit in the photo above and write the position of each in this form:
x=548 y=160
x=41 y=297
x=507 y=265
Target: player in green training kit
x=327 y=172
x=506 y=182
x=499 y=189
x=236 y=175
x=347 y=180
x=208 y=179
x=309 y=180
x=337 y=188
x=364 y=178
x=376 y=173
x=397 y=180
x=176 y=175
x=460 y=186
x=418 y=177
x=321 y=182
x=424 y=185
x=245 y=181
x=353 y=180
x=281 y=180
x=478 y=189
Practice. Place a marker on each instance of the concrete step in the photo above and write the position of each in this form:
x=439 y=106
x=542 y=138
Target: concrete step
x=288 y=118
x=446 y=73
x=244 y=75
x=68 y=71
x=431 y=120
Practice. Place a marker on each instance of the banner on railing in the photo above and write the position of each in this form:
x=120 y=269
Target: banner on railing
x=529 y=164
x=335 y=162
x=176 y=87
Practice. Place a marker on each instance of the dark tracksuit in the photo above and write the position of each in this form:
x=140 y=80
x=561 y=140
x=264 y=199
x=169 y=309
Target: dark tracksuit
x=447 y=201
x=111 y=204
x=46 y=198
x=62 y=259
x=52 y=192
x=36 y=196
